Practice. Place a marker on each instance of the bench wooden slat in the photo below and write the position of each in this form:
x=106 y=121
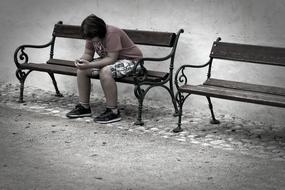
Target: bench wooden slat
x=61 y=62
x=153 y=76
x=248 y=53
x=151 y=73
x=151 y=38
x=157 y=74
x=234 y=94
x=67 y=31
x=246 y=86
x=131 y=80
x=59 y=69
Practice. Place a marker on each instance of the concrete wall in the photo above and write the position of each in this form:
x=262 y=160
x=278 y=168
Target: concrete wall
x=245 y=21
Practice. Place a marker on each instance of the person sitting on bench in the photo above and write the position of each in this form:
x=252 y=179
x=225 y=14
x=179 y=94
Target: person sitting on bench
x=117 y=57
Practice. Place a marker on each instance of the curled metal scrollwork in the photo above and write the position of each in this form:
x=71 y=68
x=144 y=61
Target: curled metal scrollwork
x=24 y=56
x=139 y=92
x=140 y=75
x=21 y=75
x=180 y=98
x=139 y=72
x=182 y=78
x=20 y=56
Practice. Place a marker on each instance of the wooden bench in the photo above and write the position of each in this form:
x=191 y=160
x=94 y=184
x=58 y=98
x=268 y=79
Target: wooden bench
x=143 y=81
x=232 y=90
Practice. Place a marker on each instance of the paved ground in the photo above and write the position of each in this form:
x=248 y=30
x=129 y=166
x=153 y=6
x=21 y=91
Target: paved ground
x=41 y=149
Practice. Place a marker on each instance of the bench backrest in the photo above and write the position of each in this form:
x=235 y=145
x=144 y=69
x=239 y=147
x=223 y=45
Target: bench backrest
x=152 y=38
x=248 y=53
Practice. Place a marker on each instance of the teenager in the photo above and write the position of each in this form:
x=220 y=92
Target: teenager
x=117 y=56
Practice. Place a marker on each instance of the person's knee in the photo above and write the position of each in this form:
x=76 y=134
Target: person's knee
x=82 y=72
x=105 y=73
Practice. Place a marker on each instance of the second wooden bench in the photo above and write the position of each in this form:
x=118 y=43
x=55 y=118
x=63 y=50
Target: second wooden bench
x=233 y=90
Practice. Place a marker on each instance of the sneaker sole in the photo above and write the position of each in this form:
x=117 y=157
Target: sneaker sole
x=110 y=121
x=79 y=116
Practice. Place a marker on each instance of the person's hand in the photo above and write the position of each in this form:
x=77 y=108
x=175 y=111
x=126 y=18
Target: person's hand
x=82 y=64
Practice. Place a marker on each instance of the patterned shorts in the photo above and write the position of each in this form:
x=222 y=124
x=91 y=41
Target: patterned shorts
x=119 y=69
x=122 y=68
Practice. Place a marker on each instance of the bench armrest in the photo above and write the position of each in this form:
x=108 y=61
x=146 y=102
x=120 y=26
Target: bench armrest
x=181 y=78
x=141 y=74
x=139 y=70
x=20 y=56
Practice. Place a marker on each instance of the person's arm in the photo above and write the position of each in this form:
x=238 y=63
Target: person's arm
x=111 y=58
x=88 y=53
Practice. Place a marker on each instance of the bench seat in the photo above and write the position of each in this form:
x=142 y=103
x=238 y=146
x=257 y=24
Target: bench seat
x=238 y=91
x=66 y=67
x=58 y=69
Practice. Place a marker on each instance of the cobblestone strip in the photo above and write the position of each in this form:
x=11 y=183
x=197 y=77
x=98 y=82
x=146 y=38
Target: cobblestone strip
x=233 y=134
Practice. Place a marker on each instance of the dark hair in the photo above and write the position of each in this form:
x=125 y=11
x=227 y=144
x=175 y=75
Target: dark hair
x=93 y=26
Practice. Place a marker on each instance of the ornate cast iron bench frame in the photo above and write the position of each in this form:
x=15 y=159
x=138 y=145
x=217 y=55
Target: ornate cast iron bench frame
x=231 y=90
x=143 y=81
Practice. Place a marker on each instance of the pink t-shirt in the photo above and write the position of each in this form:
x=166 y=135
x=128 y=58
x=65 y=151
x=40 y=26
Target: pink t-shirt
x=115 y=40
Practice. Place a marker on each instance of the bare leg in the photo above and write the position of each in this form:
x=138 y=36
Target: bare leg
x=84 y=85
x=109 y=87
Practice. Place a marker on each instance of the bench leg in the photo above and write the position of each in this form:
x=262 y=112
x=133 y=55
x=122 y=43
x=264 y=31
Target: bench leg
x=58 y=94
x=214 y=120
x=180 y=101
x=22 y=78
x=21 y=98
x=139 y=117
x=171 y=92
x=178 y=128
x=140 y=94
